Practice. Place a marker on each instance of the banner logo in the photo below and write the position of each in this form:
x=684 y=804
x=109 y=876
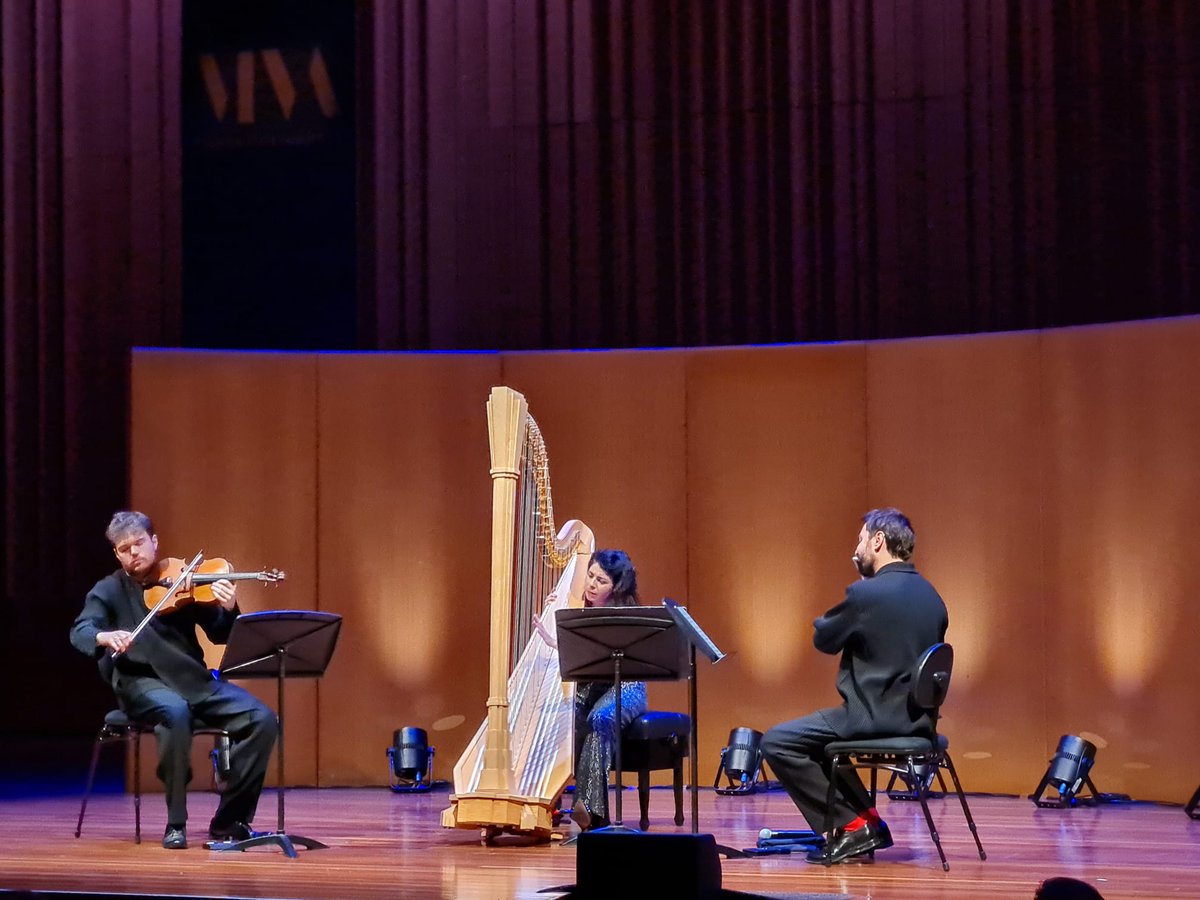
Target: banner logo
x=267 y=96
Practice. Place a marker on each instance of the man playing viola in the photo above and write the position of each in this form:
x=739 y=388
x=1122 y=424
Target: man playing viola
x=161 y=678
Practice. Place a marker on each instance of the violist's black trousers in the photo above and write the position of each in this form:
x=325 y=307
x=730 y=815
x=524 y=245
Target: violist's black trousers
x=252 y=728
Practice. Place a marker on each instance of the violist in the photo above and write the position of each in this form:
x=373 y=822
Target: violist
x=162 y=679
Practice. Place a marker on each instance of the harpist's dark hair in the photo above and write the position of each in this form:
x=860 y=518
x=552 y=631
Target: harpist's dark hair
x=619 y=568
x=127 y=522
x=897 y=530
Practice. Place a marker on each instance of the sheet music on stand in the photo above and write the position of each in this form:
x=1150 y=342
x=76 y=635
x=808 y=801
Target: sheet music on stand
x=694 y=633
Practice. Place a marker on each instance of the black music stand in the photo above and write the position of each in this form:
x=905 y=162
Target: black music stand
x=697 y=640
x=635 y=642
x=279 y=644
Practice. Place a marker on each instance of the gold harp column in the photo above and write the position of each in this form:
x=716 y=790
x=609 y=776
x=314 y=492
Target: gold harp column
x=506 y=434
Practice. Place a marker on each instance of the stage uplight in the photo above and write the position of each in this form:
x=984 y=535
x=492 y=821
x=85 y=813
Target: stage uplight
x=1068 y=772
x=411 y=760
x=741 y=761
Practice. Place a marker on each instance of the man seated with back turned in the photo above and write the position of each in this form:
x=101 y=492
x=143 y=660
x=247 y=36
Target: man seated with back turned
x=886 y=621
x=162 y=678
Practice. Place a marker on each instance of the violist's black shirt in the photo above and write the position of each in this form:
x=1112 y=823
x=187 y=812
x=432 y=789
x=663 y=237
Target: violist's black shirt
x=168 y=649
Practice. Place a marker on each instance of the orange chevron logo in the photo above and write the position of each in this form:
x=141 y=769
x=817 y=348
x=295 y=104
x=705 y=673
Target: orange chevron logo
x=315 y=83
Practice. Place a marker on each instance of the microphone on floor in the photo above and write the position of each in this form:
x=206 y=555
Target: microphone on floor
x=796 y=836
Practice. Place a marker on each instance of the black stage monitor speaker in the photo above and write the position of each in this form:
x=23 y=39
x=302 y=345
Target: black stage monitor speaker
x=638 y=866
x=647 y=865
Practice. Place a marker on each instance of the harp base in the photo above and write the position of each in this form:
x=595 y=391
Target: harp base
x=516 y=815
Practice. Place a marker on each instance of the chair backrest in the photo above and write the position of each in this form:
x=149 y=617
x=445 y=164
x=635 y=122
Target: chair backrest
x=933 y=678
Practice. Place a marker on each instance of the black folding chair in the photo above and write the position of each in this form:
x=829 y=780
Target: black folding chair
x=120 y=727
x=914 y=758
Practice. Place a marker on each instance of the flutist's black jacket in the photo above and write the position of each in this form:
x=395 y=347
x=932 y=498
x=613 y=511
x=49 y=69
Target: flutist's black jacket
x=881 y=629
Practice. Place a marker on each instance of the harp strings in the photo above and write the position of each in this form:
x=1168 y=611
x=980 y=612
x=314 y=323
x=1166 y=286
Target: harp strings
x=527 y=578
x=539 y=559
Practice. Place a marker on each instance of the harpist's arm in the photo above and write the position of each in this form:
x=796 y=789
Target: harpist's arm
x=540 y=628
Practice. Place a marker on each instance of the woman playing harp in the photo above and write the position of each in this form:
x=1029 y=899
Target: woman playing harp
x=611 y=581
x=515 y=767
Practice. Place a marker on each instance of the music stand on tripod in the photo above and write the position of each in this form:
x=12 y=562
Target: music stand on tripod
x=696 y=640
x=638 y=643
x=279 y=644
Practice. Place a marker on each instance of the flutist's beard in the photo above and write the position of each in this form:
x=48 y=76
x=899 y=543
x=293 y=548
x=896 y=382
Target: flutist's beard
x=865 y=569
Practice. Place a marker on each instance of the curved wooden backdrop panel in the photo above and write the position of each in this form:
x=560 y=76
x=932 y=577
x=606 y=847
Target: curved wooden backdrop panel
x=1051 y=477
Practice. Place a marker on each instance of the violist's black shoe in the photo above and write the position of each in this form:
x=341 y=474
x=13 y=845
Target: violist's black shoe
x=174 y=838
x=234 y=831
x=853 y=843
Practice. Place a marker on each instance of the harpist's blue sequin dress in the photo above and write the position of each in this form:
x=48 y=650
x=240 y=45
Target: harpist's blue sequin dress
x=595 y=712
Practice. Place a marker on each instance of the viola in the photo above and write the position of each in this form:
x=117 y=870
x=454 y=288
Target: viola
x=169 y=593
x=203 y=576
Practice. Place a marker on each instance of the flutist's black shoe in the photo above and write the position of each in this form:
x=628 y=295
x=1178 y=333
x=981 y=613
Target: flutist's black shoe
x=174 y=839
x=853 y=843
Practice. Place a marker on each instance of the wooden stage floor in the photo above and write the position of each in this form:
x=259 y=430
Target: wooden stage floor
x=390 y=845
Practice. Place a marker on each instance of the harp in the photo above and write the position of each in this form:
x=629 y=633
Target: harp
x=512 y=772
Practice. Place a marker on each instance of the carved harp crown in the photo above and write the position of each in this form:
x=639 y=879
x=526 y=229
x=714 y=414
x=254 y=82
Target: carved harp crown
x=512 y=772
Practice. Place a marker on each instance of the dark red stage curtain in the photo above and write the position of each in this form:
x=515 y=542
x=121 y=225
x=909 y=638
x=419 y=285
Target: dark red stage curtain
x=89 y=241
x=690 y=172
x=563 y=173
